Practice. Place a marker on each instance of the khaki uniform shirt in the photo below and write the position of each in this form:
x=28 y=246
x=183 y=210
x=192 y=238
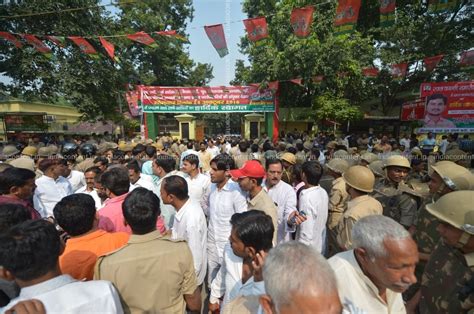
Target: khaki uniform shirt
x=151 y=273
x=263 y=202
x=205 y=158
x=85 y=164
x=356 y=209
x=337 y=202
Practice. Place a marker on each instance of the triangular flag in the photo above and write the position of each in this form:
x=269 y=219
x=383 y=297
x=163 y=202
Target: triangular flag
x=256 y=28
x=301 y=19
x=432 y=62
x=11 y=38
x=109 y=47
x=297 y=81
x=143 y=38
x=370 y=72
x=58 y=40
x=217 y=38
x=36 y=42
x=347 y=13
x=167 y=33
x=85 y=46
x=399 y=70
x=467 y=58
x=317 y=78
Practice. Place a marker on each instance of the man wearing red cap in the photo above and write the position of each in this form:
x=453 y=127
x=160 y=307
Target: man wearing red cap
x=250 y=178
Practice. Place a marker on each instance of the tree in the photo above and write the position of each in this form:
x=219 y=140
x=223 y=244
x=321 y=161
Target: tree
x=417 y=33
x=94 y=86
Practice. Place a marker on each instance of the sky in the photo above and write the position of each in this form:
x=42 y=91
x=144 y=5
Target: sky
x=210 y=12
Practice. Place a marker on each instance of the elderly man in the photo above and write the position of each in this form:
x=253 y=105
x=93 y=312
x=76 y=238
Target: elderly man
x=298 y=280
x=380 y=267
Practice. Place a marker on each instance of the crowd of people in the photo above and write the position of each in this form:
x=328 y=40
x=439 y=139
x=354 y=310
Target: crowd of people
x=359 y=223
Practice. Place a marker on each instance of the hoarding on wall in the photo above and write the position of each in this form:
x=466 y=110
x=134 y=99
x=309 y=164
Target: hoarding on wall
x=25 y=123
x=449 y=107
x=132 y=101
x=413 y=110
x=206 y=99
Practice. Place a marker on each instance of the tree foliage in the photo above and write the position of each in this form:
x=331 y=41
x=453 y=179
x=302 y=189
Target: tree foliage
x=94 y=86
x=417 y=33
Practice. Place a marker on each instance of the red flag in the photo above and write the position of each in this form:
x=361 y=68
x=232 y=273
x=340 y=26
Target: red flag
x=11 y=38
x=217 y=38
x=370 y=72
x=273 y=85
x=318 y=78
x=467 y=58
x=432 y=62
x=399 y=70
x=35 y=42
x=143 y=38
x=387 y=12
x=84 y=45
x=58 y=40
x=256 y=28
x=167 y=33
x=301 y=19
x=347 y=13
x=297 y=81
x=109 y=47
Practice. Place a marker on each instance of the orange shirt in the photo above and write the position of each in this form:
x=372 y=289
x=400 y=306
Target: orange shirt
x=81 y=253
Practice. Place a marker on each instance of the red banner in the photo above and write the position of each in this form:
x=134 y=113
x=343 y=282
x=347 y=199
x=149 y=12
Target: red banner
x=84 y=45
x=273 y=85
x=467 y=58
x=11 y=38
x=413 y=110
x=256 y=28
x=215 y=33
x=58 y=40
x=432 y=62
x=370 y=72
x=347 y=13
x=301 y=20
x=143 y=38
x=399 y=70
x=448 y=105
x=132 y=101
x=109 y=47
x=35 y=42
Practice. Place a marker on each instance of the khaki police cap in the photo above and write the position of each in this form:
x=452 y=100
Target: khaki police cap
x=10 y=150
x=377 y=167
x=289 y=157
x=456 y=177
x=338 y=165
x=369 y=157
x=456 y=209
x=397 y=161
x=360 y=178
x=44 y=152
x=29 y=151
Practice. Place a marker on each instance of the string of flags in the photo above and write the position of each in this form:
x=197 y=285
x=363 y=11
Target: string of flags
x=301 y=19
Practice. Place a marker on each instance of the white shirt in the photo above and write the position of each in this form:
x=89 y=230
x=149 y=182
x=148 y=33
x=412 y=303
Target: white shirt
x=77 y=180
x=443 y=145
x=284 y=196
x=406 y=143
x=228 y=281
x=199 y=188
x=223 y=204
x=314 y=201
x=214 y=151
x=167 y=211
x=48 y=193
x=143 y=183
x=93 y=193
x=190 y=224
x=63 y=294
x=355 y=286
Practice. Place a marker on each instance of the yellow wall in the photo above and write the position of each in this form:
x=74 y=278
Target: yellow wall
x=64 y=115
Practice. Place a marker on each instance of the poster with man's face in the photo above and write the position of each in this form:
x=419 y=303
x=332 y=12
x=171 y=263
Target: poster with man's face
x=449 y=106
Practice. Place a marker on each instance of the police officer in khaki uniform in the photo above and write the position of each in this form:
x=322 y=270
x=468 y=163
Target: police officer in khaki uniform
x=447 y=285
x=152 y=273
x=367 y=158
x=399 y=201
x=88 y=152
x=446 y=177
x=338 y=195
x=288 y=160
x=359 y=183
